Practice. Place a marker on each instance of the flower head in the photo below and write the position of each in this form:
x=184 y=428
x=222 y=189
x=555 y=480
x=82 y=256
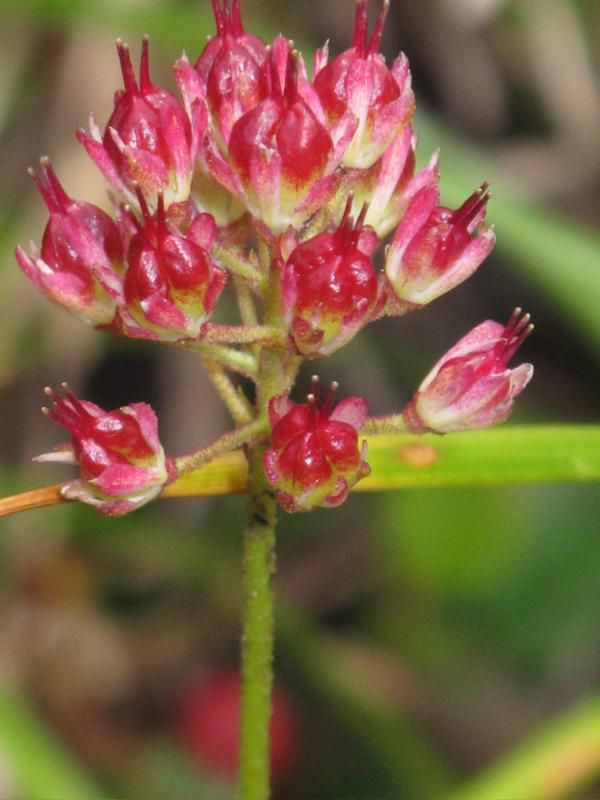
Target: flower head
x=149 y=140
x=122 y=463
x=171 y=284
x=314 y=458
x=358 y=86
x=330 y=287
x=81 y=259
x=434 y=248
x=471 y=387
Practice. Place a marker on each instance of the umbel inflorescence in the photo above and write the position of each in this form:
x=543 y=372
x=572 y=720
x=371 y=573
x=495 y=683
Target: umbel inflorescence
x=284 y=186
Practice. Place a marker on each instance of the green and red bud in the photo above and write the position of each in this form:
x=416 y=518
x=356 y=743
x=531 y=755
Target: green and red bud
x=329 y=287
x=81 y=261
x=229 y=69
x=121 y=460
x=435 y=249
x=314 y=458
x=171 y=284
x=149 y=140
x=471 y=386
x=357 y=86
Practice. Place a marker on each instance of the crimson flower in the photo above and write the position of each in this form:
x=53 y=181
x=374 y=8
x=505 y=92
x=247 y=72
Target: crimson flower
x=434 y=248
x=314 y=458
x=330 y=286
x=149 y=139
x=471 y=387
x=171 y=284
x=121 y=460
x=81 y=259
x=359 y=87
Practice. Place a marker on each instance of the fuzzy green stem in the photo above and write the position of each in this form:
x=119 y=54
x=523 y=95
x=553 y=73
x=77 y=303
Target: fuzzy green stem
x=245 y=300
x=215 y=333
x=238 y=405
x=257 y=634
x=236 y=360
x=392 y=423
x=237 y=264
x=229 y=441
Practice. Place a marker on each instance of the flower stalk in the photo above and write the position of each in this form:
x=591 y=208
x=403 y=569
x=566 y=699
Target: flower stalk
x=257 y=632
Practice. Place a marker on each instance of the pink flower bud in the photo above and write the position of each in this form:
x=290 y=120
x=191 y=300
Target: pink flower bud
x=434 y=248
x=171 y=284
x=149 y=139
x=122 y=463
x=471 y=387
x=330 y=287
x=280 y=152
x=358 y=86
x=229 y=68
x=81 y=259
x=391 y=183
x=314 y=457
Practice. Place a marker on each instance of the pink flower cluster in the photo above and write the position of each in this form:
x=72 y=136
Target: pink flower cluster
x=287 y=183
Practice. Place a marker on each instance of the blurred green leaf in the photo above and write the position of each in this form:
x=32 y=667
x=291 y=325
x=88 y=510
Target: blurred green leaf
x=40 y=766
x=562 y=757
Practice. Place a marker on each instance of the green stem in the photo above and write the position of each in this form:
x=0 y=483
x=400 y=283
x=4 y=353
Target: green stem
x=257 y=635
x=236 y=264
x=236 y=360
x=216 y=333
x=392 y=423
x=229 y=441
x=239 y=407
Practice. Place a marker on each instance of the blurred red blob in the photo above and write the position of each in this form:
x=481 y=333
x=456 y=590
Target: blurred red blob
x=208 y=721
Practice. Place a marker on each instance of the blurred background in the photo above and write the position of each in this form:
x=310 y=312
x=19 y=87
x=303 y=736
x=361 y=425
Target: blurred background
x=422 y=635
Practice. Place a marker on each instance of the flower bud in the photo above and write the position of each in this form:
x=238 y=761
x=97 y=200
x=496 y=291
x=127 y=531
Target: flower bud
x=229 y=68
x=471 y=387
x=171 y=284
x=280 y=153
x=149 y=140
x=81 y=259
x=314 y=458
x=330 y=287
x=434 y=248
x=358 y=85
x=122 y=463
x=391 y=183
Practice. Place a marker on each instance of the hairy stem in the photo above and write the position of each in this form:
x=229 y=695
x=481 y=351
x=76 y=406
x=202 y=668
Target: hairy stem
x=238 y=405
x=257 y=634
x=235 y=360
x=392 y=423
x=229 y=441
x=216 y=333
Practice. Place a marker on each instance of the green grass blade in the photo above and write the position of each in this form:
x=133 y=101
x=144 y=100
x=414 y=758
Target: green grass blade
x=510 y=454
x=39 y=765
x=563 y=757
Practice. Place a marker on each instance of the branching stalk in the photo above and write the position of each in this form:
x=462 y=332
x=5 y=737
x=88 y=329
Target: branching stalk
x=229 y=441
x=237 y=404
x=214 y=333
